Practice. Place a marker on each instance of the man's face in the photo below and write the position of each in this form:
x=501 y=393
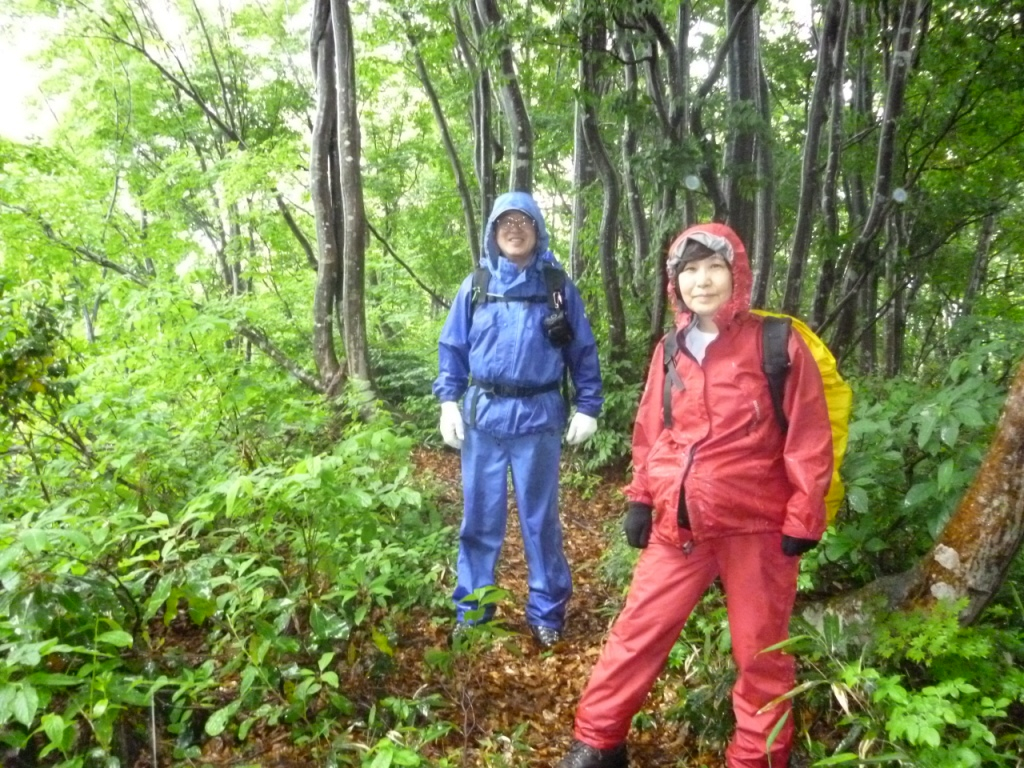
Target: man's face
x=516 y=234
x=705 y=285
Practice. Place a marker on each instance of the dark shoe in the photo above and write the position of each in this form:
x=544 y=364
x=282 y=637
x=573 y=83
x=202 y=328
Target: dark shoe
x=582 y=755
x=546 y=637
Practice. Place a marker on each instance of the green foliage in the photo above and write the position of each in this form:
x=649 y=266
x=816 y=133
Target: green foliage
x=914 y=448
x=917 y=688
x=288 y=572
x=34 y=357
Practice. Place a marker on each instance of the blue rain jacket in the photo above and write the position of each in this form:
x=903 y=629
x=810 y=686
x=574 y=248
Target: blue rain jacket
x=505 y=342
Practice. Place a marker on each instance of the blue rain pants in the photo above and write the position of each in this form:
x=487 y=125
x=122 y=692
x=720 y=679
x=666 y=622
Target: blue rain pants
x=534 y=460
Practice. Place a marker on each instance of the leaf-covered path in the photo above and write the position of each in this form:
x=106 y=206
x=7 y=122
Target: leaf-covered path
x=510 y=693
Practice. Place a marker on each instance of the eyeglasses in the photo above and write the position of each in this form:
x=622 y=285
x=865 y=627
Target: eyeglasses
x=514 y=222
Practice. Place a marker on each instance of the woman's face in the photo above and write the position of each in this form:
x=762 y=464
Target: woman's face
x=705 y=285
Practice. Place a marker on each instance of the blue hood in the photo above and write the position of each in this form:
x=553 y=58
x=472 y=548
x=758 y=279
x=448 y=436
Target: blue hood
x=514 y=201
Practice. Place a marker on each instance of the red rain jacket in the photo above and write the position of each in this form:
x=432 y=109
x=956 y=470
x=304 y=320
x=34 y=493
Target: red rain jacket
x=740 y=473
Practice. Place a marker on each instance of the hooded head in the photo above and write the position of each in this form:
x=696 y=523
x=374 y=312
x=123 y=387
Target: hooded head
x=513 y=201
x=720 y=239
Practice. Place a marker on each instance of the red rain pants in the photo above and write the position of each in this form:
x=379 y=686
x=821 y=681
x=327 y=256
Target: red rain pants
x=760 y=588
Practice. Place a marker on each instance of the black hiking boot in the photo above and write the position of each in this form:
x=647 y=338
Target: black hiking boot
x=546 y=637
x=582 y=755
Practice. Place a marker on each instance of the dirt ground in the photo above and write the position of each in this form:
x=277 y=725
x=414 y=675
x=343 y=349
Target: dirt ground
x=513 y=693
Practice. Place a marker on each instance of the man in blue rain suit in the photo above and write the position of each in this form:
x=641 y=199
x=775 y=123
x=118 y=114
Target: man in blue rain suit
x=504 y=355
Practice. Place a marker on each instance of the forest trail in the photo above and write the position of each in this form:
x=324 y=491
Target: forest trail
x=513 y=684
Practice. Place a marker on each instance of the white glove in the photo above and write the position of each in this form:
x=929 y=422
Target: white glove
x=581 y=428
x=452 y=429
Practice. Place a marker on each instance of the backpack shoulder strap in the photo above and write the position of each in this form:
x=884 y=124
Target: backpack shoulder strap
x=775 y=362
x=671 y=376
x=481 y=279
x=554 y=284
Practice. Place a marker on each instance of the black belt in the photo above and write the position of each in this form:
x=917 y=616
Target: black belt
x=506 y=390
x=515 y=390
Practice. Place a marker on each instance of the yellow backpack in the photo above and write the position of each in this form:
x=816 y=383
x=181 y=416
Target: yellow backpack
x=775 y=364
x=838 y=396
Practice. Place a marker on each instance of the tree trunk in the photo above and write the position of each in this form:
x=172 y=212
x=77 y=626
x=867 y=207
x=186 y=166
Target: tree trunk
x=861 y=261
x=974 y=552
x=583 y=175
x=763 y=247
x=354 y=237
x=829 y=257
x=744 y=92
x=594 y=38
x=979 y=267
x=323 y=54
x=825 y=75
x=483 y=138
x=512 y=103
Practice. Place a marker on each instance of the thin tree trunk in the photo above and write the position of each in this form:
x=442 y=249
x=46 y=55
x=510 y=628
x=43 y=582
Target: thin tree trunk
x=979 y=267
x=354 y=237
x=583 y=175
x=594 y=37
x=512 y=103
x=323 y=54
x=825 y=75
x=763 y=247
x=861 y=257
x=744 y=89
x=830 y=184
x=634 y=198
x=483 y=138
x=708 y=172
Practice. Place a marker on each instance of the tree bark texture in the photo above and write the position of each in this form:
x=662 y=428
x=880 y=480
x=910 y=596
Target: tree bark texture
x=594 y=40
x=354 y=237
x=744 y=89
x=321 y=193
x=825 y=75
x=634 y=196
x=763 y=247
x=583 y=175
x=511 y=99
x=483 y=137
x=862 y=259
x=973 y=554
x=979 y=267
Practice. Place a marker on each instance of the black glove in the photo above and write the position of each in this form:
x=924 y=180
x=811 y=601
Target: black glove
x=638 y=524
x=792 y=546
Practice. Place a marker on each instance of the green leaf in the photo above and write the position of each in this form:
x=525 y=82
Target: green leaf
x=949 y=433
x=945 y=474
x=219 y=720
x=858 y=499
x=330 y=677
x=919 y=493
x=929 y=418
x=54 y=725
x=35 y=541
x=969 y=416
x=25 y=704
x=116 y=637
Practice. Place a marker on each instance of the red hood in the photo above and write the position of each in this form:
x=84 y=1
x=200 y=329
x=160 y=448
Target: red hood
x=718 y=237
